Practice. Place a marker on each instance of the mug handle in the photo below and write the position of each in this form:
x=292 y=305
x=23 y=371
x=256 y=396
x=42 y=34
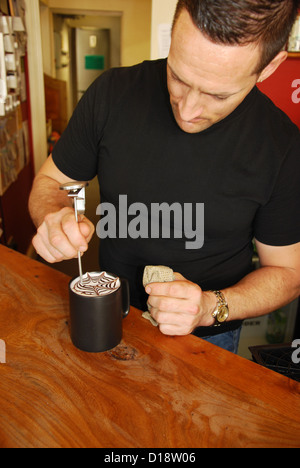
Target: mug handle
x=125 y=296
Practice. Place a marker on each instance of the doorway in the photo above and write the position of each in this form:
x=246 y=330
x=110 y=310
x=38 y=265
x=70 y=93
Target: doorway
x=85 y=47
x=92 y=56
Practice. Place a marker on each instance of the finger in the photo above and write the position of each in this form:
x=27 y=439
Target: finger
x=178 y=289
x=87 y=228
x=173 y=305
x=48 y=253
x=174 y=323
x=174 y=330
x=72 y=232
x=59 y=241
x=60 y=237
x=55 y=240
x=168 y=318
x=179 y=277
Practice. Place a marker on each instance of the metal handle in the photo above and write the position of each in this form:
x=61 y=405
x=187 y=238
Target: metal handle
x=125 y=296
x=77 y=192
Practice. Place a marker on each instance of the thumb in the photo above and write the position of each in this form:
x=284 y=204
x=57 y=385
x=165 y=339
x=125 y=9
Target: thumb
x=179 y=277
x=86 y=227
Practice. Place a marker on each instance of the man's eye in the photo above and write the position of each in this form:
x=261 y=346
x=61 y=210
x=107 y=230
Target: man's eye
x=175 y=78
x=221 y=98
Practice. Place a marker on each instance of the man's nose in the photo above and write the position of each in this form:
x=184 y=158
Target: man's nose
x=190 y=106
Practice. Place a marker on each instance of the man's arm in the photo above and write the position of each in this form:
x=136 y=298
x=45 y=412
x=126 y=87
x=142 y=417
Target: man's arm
x=270 y=287
x=181 y=306
x=58 y=236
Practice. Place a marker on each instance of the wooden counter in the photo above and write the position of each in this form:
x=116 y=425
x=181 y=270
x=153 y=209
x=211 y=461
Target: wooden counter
x=152 y=391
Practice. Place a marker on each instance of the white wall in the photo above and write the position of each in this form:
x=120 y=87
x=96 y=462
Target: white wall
x=136 y=19
x=36 y=82
x=162 y=14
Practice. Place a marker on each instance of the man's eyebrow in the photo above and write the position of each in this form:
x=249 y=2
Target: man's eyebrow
x=176 y=76
x=221 y=94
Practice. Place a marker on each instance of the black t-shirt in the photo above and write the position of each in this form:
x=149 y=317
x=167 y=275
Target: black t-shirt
x=245 y=170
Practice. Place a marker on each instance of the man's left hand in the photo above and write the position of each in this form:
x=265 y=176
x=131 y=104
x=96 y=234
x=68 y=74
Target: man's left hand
x=180 y=306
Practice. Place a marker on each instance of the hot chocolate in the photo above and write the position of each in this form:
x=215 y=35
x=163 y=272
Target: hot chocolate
x=96 y=284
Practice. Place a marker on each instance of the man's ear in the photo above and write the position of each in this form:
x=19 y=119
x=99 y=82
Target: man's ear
x=272 y=67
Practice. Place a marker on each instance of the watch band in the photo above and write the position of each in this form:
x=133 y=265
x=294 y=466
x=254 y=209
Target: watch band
x=221 y=313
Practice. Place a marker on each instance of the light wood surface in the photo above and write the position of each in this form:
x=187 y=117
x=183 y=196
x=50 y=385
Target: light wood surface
x=152 y=391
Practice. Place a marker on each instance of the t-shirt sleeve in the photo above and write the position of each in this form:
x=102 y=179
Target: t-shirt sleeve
x=277 y=223
x=76 y=152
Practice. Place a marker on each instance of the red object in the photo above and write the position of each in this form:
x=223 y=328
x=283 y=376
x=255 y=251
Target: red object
x=283 y=88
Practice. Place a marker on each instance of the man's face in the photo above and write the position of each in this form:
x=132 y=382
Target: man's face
x=206 y=81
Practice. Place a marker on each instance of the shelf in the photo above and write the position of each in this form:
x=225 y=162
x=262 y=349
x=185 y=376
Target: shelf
x=294 y=54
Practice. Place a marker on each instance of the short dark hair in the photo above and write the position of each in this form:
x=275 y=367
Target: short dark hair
x=241 y=22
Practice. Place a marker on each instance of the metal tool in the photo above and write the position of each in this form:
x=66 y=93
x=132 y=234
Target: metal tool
x=76 y=190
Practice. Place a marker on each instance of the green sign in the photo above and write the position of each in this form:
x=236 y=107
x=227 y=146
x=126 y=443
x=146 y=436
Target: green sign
x=94 y=62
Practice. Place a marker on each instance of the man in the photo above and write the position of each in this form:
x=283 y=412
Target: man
x=191 y=129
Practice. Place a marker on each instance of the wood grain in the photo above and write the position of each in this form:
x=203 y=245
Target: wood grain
x=151 y=391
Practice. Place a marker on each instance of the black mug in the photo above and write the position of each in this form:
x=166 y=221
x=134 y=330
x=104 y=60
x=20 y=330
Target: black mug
x=96 y=321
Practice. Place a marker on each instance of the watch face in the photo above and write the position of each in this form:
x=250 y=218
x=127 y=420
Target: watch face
x=223 y=314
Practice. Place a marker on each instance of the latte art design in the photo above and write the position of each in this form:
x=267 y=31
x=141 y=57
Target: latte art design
x=96 y=284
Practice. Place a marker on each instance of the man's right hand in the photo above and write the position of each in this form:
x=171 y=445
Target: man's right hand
x=60 y=237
